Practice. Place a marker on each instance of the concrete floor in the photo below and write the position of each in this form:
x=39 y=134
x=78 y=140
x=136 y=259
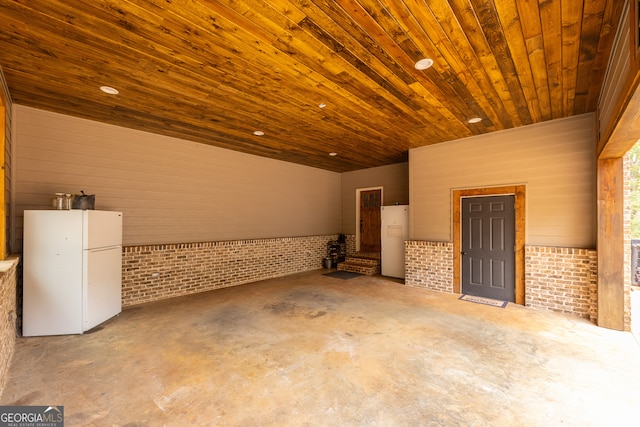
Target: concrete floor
x=311 y=350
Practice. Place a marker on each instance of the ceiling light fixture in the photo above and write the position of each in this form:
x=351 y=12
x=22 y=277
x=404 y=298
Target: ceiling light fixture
x=474 y=120
x=258 y=133
x=333 y=154
x=424 y=63
x=109 y=90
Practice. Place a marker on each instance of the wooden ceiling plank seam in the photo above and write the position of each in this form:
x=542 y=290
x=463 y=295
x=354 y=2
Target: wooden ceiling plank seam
x=612 y=12
x=510 y=21
x=359 y=66
x=326 y=39
x=450 y=124
x=529 y=15
x=356 y=92
x=433 y=106
x=551 y=15
x=489 y=21
x=251 y=60
x=410 y=101
x=439 y=30
x=329 y=17
x=456 y=75
x=238 y=73
x=211 y=71
x=142 y=118
x=46 y=87
x=362 y=18
x=462 y=16
x=231 y=15
x=464 y=62
x=593 y=15
x=446 y=82
x=481 y=114
x=319 y=61
x=218 y=129
x=283 y=152
x=572 y=13
x=177 y=99
x=212 y=83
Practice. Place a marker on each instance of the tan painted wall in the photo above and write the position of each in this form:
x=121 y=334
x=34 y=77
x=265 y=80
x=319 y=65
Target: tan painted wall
x=170 y=190
x=555 y=160
x=393 y=178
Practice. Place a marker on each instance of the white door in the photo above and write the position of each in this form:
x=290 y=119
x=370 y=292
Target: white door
x=395 y=231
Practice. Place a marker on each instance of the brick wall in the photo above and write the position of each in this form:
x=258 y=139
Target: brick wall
x=556 y=279
x=562 y=280
x=8 y=331
x=350 y=240
x=429 y=265
x=154 y=272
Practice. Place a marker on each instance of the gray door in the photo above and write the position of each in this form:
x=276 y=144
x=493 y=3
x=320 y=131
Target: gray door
x=488 y=247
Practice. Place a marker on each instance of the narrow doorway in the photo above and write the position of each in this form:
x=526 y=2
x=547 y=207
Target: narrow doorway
x=488 y=247
x=370 y=223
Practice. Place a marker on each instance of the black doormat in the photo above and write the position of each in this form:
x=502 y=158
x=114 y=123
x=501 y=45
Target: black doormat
x=341 y=274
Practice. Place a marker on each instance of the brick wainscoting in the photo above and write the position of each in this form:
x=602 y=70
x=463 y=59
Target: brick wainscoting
x=562 y=279
x=429 y=265
x=350 y=240
x=154 y=272
x=8 y=331
x=556 y=279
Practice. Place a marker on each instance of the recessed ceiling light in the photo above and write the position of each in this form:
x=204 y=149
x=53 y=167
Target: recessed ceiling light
x=258 y=132
x=333 y=154
x=322 y=105
x=109 y=90
x=424 y=63
x=474 y=120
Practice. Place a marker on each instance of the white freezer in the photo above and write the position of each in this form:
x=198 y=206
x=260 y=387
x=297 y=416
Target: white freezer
x=72 y=270
x=103 y=228
x=395 y=231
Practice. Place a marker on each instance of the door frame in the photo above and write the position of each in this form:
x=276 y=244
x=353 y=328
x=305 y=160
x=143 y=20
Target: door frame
x=519 y=192
x=358 y=191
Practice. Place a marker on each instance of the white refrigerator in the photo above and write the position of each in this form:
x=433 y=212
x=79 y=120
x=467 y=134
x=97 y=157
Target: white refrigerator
x=72 y=270
x=395 y=231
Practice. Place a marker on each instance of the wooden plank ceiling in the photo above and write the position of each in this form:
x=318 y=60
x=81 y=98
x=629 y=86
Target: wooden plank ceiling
x=216 y=71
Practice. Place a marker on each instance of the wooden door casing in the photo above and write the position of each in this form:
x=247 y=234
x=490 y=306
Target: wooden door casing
x=520 y=200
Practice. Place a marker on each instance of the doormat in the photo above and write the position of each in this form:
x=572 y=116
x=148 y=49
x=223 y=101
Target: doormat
x=341 y=274
x=485 y=301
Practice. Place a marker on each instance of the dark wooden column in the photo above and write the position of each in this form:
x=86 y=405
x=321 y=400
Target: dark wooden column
x=611 y=243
